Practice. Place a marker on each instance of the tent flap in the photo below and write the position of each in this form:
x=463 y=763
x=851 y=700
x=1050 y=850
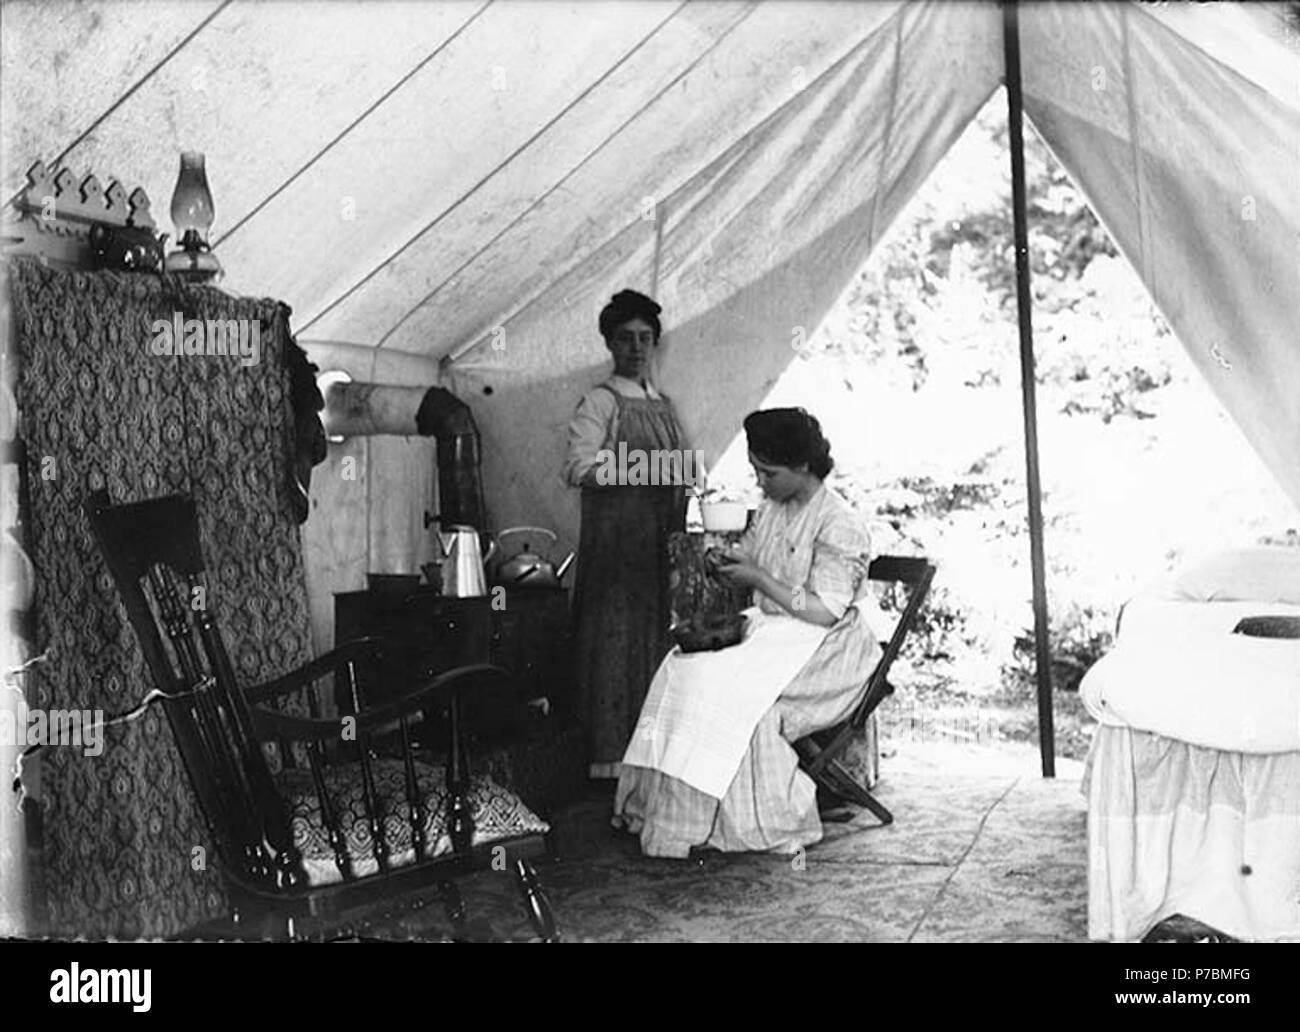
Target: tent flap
x=1194 y=167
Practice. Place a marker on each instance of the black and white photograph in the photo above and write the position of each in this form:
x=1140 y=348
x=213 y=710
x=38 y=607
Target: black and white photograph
x=643 y=471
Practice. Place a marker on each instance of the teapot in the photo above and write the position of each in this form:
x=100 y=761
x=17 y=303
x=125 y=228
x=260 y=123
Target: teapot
x=525 y=569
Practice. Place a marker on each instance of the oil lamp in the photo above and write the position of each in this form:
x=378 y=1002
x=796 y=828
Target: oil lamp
x=192 y=214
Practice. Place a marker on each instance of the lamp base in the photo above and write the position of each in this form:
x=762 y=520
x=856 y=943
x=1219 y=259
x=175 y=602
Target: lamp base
x=194 y=266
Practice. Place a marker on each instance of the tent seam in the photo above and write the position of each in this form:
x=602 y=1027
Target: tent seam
x=475 y=339
x=383 y=99
x=57 y=162
x=1135 y=153
x=482 y=182
x=888 y=138
x=661 y=218
x=1214 y=59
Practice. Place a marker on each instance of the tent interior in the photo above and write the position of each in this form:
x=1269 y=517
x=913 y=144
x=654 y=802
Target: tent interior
x=445 y=194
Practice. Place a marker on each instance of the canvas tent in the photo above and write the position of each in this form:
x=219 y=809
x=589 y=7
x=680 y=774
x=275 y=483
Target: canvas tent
x=447 y=193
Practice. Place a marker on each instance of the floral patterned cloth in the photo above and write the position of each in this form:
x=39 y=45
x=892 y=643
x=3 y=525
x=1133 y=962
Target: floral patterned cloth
x=126 y=851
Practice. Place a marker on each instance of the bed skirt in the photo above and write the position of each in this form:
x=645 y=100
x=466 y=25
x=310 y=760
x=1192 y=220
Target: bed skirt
x=1175 y=828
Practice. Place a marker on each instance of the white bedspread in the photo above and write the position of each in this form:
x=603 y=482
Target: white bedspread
x=1160 y=619
x=1178 y=670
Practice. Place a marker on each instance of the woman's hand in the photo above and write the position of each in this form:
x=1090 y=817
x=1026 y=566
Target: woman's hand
x=736 y=571
x=796 y=601
x=718 y=556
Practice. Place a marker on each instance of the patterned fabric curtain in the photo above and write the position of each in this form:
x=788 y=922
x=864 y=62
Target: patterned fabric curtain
x=126 y=850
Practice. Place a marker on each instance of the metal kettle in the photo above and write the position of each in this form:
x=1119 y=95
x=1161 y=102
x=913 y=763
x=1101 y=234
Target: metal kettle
x=525 y=569
x=463 y=575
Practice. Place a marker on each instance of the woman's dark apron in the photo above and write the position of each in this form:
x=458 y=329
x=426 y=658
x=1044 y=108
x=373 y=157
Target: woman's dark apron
x=621 y=602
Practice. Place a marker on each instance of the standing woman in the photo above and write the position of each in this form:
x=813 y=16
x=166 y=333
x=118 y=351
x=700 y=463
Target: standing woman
x=621 y=602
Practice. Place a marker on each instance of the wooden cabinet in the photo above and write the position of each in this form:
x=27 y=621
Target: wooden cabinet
x=528 y=634
x=532 y=638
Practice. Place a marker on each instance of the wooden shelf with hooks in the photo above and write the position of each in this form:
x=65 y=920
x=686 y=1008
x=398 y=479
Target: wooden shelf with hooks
x=52 y=216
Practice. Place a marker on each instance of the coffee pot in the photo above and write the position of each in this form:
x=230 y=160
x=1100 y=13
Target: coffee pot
x=463 y=575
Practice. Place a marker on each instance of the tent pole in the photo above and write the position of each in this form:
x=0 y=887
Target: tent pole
x=1042 y=652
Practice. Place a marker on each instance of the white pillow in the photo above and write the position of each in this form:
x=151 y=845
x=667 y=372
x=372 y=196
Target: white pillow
x=1265 y=574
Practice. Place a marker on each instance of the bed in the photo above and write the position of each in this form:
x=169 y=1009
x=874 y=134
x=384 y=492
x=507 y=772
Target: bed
x=1193 y=778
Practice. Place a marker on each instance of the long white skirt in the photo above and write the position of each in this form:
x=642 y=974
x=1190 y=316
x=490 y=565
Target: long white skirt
x=679 y=786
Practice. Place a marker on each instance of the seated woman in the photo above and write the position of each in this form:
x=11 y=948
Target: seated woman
x=711 y=761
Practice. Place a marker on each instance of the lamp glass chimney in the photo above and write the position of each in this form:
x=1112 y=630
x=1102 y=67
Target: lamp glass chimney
x=192 y=208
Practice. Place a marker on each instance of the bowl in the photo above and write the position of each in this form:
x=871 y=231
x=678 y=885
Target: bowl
x=724 y=517
x=710 y=633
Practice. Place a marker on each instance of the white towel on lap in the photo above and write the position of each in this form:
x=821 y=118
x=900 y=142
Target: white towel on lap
x=702 y=707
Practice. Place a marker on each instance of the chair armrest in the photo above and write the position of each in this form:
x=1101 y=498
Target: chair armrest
x=358 y=649
x=269 y=724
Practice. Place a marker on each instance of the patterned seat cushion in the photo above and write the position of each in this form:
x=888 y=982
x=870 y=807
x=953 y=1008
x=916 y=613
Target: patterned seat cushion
x=498 y=815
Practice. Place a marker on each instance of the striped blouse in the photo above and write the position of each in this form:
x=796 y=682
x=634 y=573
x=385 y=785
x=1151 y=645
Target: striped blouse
x=813 y=546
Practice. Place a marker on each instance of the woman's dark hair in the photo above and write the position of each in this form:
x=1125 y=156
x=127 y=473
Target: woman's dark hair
x=789 y=437
x=625 y=306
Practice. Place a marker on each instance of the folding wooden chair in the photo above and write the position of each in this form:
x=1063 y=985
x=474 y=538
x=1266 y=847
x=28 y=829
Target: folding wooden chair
x=820 y=754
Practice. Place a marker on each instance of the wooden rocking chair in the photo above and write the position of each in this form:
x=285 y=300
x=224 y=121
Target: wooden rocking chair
x=821 y=754
x=313 y=849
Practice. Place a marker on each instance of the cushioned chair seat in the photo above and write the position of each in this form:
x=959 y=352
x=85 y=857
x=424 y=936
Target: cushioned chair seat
x=498 y=815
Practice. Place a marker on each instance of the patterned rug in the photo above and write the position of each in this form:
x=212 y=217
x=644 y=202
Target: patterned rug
x=982 y=850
